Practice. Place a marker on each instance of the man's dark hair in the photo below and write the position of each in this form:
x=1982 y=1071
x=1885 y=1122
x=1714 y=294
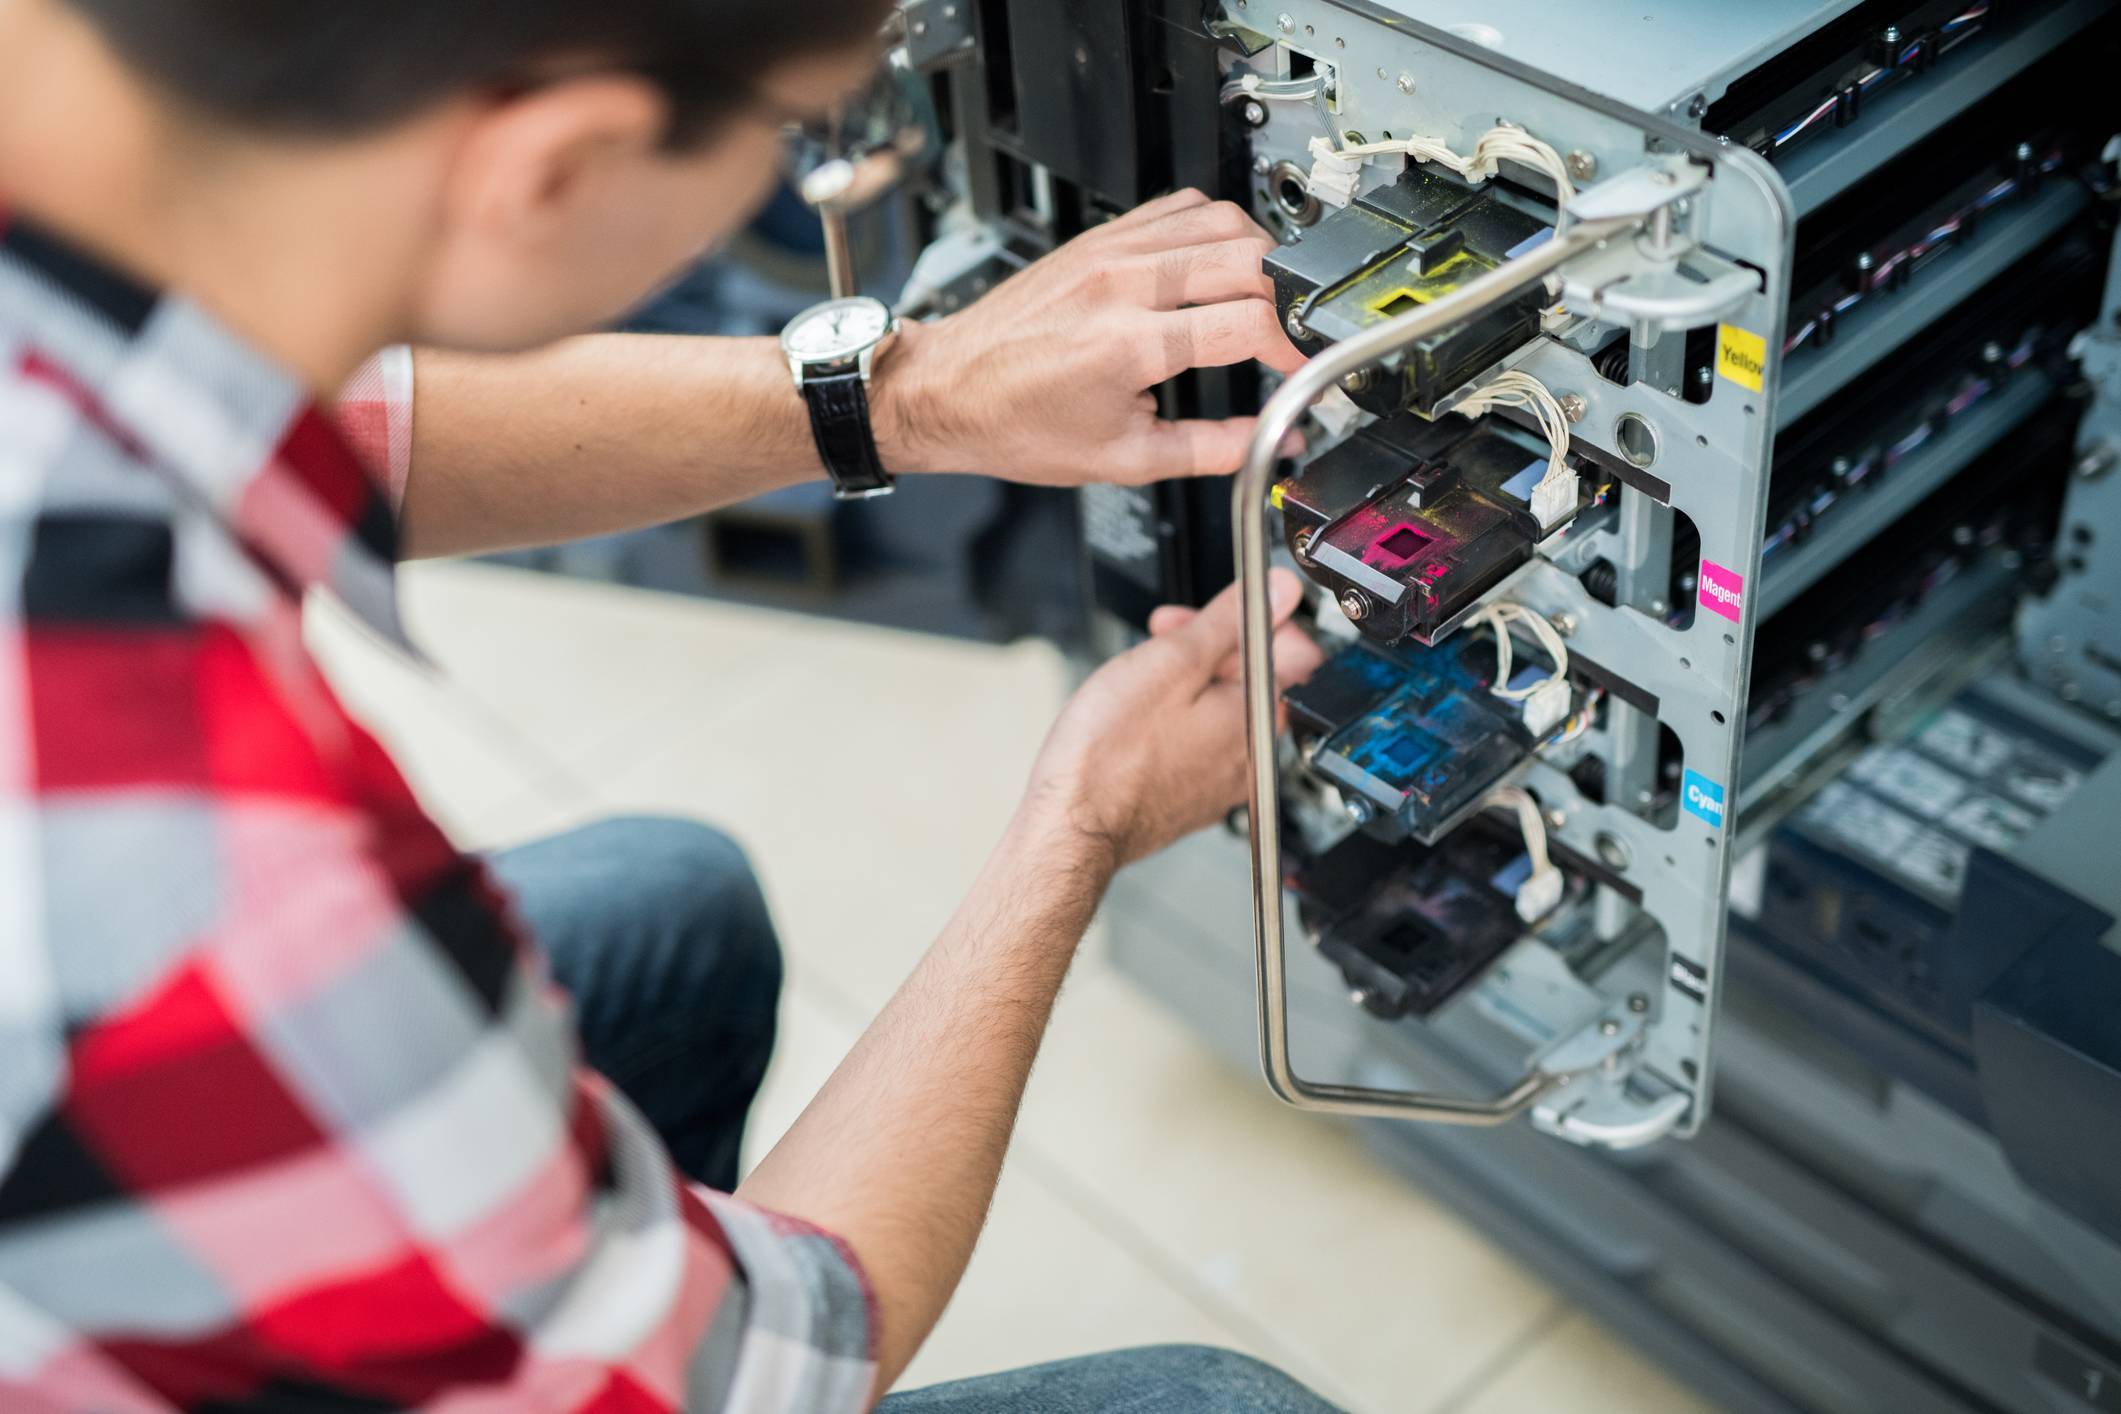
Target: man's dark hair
x=334 y=67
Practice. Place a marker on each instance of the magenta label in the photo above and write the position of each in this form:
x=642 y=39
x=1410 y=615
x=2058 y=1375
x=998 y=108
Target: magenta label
x=1722 y=591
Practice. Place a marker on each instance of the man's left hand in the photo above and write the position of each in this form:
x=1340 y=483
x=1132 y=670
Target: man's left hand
x=1046 y=380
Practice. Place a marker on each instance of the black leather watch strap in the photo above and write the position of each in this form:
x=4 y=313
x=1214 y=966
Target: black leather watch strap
x=839 y=421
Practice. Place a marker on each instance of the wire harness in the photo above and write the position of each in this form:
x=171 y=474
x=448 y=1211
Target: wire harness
x=1541 y=890
x=1335 y=168
x=1499 y=615
x=1553 y=499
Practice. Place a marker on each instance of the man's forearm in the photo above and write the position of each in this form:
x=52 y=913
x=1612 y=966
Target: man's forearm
x=900 y=1152
x=594 y=435
x=1044 y=380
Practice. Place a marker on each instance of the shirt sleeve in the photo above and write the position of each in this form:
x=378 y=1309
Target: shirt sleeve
x=805 y=1332
x=375 y=413
x=345 y=1017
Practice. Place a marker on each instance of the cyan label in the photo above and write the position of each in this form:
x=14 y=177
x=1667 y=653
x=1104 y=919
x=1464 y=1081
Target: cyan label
x=1704 y=798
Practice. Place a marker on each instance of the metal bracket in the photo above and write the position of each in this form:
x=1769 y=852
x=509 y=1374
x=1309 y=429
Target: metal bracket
x=1249 y=513
x=1667 y=281
x=936 y=32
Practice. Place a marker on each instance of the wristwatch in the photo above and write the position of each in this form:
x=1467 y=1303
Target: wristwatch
x=832 y=348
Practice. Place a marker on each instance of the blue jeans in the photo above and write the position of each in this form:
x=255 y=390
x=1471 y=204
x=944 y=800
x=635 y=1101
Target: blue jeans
x=658 y=930
x=1155 y=1379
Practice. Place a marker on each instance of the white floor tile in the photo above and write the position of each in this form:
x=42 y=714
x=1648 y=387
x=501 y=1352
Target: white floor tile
x=1283 y=1218
x=869 y=790
x=1046 y=1282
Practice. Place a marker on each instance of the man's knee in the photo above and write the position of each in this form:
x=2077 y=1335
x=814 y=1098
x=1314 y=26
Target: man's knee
x=652 y=914
x=699 y=881
x=1170 y=1379
x=1207 y=1377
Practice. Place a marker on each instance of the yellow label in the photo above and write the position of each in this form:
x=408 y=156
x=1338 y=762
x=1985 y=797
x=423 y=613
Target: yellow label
x=1741 y=356
x=1274 y=496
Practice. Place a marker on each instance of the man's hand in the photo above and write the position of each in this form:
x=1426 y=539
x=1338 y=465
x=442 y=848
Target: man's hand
x=1152 y=747
x=1046 y=380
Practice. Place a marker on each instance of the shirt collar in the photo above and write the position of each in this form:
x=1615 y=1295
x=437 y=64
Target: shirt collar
x=230 y=431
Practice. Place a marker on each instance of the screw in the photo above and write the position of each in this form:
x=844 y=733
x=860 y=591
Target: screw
x=1355 y=605
x=1609 y=1027
x=1262 y=165
x=1638 y=1003
x=1697 y=105
x=1360 y=996
x=1295 y=325
x=1890 y=35
x=1360 y=811
x=1574 y=406
x=1658 y=606
x=1582 y=166
x=2023 y=152
x=1406 y=83
x=1557 y=818
x=2097 y=461
x=1285 y=24
x=1992 y=352
x=1360 y=379
x=1254 y=113
x=1082 y=57
x=1564 y=623
x=1303 y=545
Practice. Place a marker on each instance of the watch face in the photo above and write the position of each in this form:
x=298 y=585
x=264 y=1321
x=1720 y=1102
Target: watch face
x=836 y=331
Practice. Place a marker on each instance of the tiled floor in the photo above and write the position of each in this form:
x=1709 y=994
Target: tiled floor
x=1153 y=1194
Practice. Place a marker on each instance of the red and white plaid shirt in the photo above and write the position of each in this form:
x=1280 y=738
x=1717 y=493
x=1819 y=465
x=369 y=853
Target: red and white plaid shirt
x=290 y=1113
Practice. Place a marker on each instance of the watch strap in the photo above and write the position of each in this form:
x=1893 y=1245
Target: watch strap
x=839 y=423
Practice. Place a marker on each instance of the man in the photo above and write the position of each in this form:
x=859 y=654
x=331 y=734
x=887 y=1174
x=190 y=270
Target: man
x=291 y=1112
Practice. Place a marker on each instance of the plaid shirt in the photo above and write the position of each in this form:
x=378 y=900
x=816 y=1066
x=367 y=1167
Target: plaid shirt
x=290 y=1114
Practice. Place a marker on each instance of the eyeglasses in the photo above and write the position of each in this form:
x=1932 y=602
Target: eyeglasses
x=876 y=139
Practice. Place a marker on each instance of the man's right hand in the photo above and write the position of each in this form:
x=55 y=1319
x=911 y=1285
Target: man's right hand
x=1047 y=379
x=1152 y=747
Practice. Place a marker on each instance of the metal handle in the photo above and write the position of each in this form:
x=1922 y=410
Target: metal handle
x=1249 y=514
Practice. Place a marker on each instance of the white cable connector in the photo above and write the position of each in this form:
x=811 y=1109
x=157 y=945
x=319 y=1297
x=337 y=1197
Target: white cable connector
x=1499 y=615
x=1547 y=706
x=1505 y=142
x=1541 y=890
x=1553 y=499
x=1333 y=176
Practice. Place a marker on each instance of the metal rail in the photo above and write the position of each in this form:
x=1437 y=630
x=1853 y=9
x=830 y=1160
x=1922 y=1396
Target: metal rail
x=1249 y=515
